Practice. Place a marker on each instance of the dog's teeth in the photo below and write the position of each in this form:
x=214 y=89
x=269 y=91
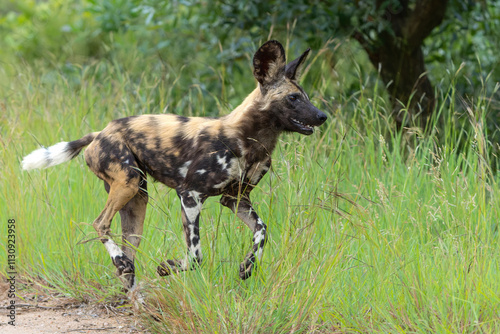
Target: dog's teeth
x=302 y=123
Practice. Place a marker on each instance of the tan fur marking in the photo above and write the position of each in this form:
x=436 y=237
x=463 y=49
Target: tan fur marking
x=240 y=114
x=166 y=125
x=279 y=92
x=197 y=125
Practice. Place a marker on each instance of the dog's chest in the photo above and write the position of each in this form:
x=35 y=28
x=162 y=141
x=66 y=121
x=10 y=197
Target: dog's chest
x=216 y=173
x=238 y=172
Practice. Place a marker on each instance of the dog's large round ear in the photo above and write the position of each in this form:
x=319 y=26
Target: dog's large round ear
x=269 y=63
x=294 y=68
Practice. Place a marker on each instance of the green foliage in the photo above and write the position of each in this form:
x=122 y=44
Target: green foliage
x=468 y=42
x=56 y=31
x=469 y=36
x=114 y=15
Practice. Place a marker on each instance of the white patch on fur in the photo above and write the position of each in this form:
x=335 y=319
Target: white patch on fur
x=194 y=249
x=184 y=264
x=113 y=249
x=259 y=253
x=256 y=171
x=201 y=171
x=222 y=161
x=235 y=171
x=222 y=184
x=47 y=156
x=242 y=148
x=192 y=213
x=184 y=169
x=191 y=232
x=259 y=236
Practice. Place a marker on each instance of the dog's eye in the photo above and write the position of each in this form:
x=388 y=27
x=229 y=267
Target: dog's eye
x=293 y=97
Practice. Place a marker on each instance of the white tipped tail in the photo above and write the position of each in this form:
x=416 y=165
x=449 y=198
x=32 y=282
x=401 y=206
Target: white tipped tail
x=48 y=156
x=56 y=154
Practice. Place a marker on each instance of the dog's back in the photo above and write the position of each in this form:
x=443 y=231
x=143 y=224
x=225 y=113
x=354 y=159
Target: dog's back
x=170 y=148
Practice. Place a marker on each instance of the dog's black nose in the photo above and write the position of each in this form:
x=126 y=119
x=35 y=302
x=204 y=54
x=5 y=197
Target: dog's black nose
x=322 y=116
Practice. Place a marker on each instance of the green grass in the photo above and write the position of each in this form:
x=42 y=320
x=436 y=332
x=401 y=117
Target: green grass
x=370 y=229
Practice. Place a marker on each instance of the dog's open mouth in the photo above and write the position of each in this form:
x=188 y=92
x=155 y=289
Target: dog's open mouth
x=303 y=128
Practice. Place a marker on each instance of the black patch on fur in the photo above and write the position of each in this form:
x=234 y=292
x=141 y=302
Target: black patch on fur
x=114 y=152
x=124 y=122
x=292 y=70
x=158 y=143
x=166 y=269
x=255 y=217
x=106 y=187
x=246 y=267
x=263 y=130
x=185 y=147
x=103 y=161
x=189 y=201
x=124 y=265
x=153 y=122
x=226 y=144
x=182 y=119
x=74 y=147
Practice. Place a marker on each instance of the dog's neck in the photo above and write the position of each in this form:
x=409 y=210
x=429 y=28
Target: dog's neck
x=254 y=127
x=244 y=111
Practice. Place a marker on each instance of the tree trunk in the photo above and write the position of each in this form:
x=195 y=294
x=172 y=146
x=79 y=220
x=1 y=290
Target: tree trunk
x=397 y=53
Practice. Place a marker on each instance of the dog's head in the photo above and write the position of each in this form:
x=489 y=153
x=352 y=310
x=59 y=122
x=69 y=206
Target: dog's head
x=282 y=94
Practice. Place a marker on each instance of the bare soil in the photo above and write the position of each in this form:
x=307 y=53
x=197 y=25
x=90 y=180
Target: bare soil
x=41 y=313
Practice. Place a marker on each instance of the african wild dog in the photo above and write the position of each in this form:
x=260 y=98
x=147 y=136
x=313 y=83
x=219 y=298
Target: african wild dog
x=197 y=156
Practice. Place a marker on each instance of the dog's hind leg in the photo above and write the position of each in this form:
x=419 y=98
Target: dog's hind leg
x=132 y=222
x=123 y=187
x=191 y=202
x=244 y=210
x=113 y=162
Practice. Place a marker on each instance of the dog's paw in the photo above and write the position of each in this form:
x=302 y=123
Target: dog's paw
x=171 y=267
x=246 y=269
x=163 y=269
x=124 y=265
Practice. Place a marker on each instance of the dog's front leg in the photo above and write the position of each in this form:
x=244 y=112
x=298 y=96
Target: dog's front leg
x=244 y=210
x=191 y=202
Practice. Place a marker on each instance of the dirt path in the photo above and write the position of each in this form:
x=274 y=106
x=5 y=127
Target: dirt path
x=38 y=313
